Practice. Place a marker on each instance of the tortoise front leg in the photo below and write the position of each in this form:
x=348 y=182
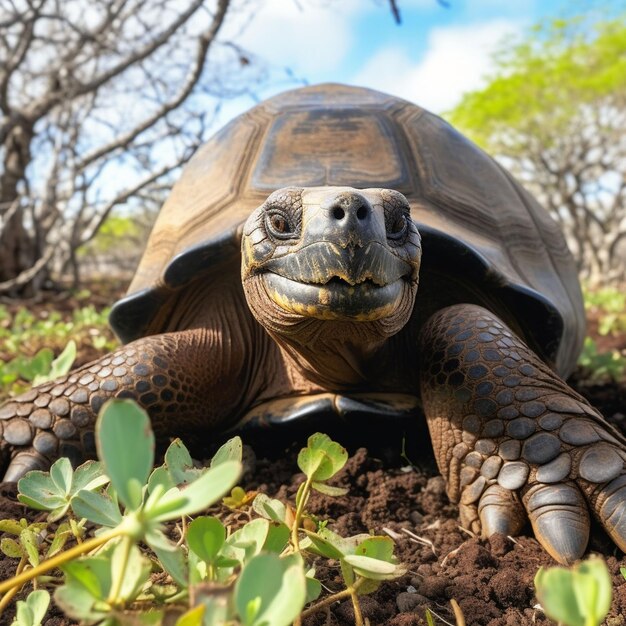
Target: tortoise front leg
x=176 y=377
x=513 y=440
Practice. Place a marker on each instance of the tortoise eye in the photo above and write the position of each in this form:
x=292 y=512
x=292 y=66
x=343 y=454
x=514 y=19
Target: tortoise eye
x=279 y=225
x=398 y=226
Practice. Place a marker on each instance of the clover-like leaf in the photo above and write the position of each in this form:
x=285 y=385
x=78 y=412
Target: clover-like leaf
x=232 y=450
x=269 y=508
x=98 y=508
x=30 y=612
x=577 y=596
x=179 y=463
x=270 y=590
x=53 y=491
x=38 y=491
x=322 y=458
x=125 y=444
x=205 y=537
x=248 y=541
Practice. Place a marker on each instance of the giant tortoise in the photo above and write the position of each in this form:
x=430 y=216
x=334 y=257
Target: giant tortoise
x=265 y=309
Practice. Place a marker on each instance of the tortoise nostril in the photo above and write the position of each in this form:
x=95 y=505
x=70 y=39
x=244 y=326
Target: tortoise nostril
x=338 y=213
x=362 y=212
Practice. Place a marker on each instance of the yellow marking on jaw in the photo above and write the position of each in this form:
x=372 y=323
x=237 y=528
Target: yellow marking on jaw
x=309 y=310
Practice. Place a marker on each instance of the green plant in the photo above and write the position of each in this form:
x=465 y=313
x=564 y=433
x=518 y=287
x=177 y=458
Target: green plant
x=253 y=575
x=610 y=305
x=576 y=596
x=30 y=612
x=28 y=344
x=601 y=365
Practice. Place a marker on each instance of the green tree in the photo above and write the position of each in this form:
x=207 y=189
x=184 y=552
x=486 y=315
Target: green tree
x=554 y=112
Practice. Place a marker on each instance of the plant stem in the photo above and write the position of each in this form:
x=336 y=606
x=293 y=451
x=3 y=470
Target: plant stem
x=340 y=595
x=299 y=512
x=59 y=559
x=358 y=616
x=127 y=544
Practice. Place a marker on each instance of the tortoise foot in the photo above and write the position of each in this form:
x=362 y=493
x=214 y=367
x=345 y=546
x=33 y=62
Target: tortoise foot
x=515 y=442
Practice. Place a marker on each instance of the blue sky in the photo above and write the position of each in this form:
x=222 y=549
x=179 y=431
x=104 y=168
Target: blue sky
x=432 y=58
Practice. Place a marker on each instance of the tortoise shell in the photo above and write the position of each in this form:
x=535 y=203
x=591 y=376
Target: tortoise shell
x=476 y=221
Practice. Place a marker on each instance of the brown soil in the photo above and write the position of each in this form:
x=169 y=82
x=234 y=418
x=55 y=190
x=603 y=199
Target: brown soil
x=492 y=580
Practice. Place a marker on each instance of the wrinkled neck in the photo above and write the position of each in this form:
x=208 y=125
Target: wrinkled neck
x=334 y=358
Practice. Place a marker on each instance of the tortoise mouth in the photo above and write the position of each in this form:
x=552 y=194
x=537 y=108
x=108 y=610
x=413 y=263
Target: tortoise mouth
x=336 y=298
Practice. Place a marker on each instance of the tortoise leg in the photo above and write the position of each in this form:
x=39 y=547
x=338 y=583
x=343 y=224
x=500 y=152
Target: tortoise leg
x=176 y=377
x=513 y=440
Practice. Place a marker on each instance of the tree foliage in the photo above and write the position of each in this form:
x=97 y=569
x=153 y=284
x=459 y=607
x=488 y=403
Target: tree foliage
x=554 y=112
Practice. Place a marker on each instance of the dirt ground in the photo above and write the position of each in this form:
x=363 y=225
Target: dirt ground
x=492 y=580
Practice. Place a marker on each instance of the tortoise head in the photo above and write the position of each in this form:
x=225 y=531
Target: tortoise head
x=335 y=259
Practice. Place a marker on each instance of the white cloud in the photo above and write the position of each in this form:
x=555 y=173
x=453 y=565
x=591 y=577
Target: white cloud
x=304 y=37
x=456 y=60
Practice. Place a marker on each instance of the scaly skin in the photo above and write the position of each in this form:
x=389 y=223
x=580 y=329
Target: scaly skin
x=180 y=378
x=513 y=440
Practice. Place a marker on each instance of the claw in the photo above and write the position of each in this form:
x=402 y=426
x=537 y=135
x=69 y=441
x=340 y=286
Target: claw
x=24 y=462
x=560 y=520
x=610 y=505
x=501 y=512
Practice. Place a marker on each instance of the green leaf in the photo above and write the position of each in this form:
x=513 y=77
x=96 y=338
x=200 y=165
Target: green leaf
x=89 y=476
x=97 y=508
x=328 y=489
x=125 y=444
x=24 y=615
x=29 y=542
x=179 y=463
x=63 y=363
x=61 y=535
x=38 y=491
x=133 y=568
x=277 y=537
x=12 y=548
x=269 y=508
x=274 y=587
x=313 y=587
x=91 y=574
x=377 y=548
x=76 y=602
x=61 y=474
x=200 y=494
x=331 y=545
x=578 y=596
x=170 y=555
x=37 y=603
x=205 y=537
x=160 y=476
x=11 y=526
x=372 y=568
x=322 y=458
x=248 y=541
x=232 y=450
